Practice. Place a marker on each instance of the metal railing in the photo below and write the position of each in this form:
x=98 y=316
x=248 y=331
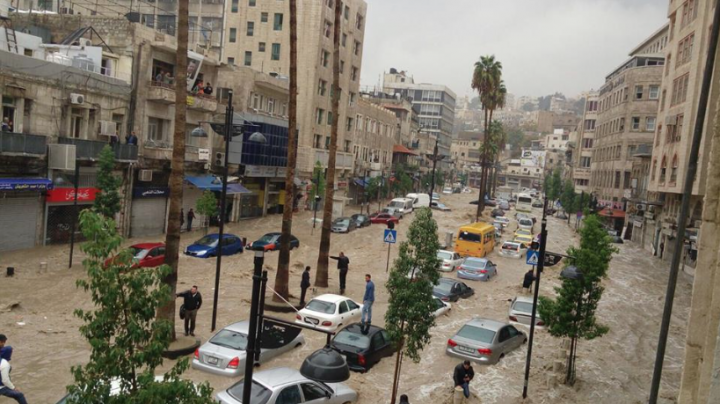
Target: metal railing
x=90 y=149
x=20 y=143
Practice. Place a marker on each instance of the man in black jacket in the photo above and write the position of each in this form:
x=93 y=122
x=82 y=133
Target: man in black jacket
x=343 y=264
x=462 y=376
x=527 y=281
x=192 y=302
x=304 y=285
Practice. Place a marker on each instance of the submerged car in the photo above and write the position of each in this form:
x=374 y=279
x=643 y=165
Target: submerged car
x=145 y=255
x=537 y=203
x=503 y=220
x=485 y=341
x=520 y=311
x=225 y=353
x=513 y=249
x=441 y=307
x=449 y=260
x=497 y=212
x=208 y=246
x=477 y=269
x=343 y=225
x=361 y=220
x=451 y=290
x=271 y=242
x=362 y=345
x=440 y=206
x=329 y=312
x=383 y=218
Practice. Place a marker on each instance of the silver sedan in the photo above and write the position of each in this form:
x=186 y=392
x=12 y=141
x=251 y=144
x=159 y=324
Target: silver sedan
x=485 y=341
x=224 y=354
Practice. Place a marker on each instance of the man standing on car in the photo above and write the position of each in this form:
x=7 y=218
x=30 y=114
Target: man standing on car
x=527 y=281
x=368 y=301
x=7 y=388
x=462 y=376
x=192 y=302
x=343 y=264
x=304 y=285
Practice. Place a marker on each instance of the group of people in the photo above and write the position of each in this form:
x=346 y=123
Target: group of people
x=129 y=139
x=164 y=78
x=7 y=125
x=7 y=387
x=202 y=88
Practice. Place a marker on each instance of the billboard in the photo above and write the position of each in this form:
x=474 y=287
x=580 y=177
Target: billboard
x=533 y=158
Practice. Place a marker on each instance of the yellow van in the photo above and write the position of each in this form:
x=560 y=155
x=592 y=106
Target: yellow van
x=475 y=240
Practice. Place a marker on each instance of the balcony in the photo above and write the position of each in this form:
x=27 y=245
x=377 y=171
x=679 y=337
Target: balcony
x=158 y=151
x=202 y=102
x=90 y=149
x=161 y=92
x=342 y=160
x=22 y=145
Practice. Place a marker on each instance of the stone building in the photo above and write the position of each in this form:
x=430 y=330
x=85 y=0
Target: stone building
x=626 y=119
x=465 y=150
x=584 y=147
x=638 y=205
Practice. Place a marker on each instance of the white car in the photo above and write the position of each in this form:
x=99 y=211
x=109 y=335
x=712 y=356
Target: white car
x=329 y=312
x=448 y=260
x=442 y=307
x=502 y=219
x=526 y=224
x=513 y=249
x=447 y=191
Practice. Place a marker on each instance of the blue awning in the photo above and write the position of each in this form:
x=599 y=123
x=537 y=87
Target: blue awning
x=213 y=183
x=362 y=182
x=25 y=184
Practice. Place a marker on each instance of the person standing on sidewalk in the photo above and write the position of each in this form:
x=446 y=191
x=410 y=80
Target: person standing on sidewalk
x=192 y=302
x=368 y=300
x=304 y=285
x=462 y=376
x=190 y=217
x=343 y=265
x=7 y=388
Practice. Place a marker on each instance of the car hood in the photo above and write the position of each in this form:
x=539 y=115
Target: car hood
x=198 y=247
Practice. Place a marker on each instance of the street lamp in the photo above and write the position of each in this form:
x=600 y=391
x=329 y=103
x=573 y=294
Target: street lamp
x=228 y=132
x=435 y=159
x=573 y=273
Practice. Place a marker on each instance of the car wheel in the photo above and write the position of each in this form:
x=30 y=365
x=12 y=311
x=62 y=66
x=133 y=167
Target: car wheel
x=298 y=345
x=501 y=356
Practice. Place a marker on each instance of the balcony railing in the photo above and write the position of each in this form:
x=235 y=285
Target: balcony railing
x=342 y=160
x=21 y=144
x=161 y=92
x=202 y=102
x=90 y=149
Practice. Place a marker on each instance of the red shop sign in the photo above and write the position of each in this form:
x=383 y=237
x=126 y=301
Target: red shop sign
x=68 y=194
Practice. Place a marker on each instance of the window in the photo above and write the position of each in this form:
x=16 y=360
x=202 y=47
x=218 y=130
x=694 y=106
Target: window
x=663 y=169
x=654 y=92
x=343 y=308
x=354 y=73
x=349 y=124
x=589 y=124
x=342 y=66
x=592 y=106
x=351 y=98
x=673 y=171
x=233 y=35
x=317 y=141
x=251 y=3
x=346 y=12
x=231 y=61
x=652 y=172
x=585 y=162
x=319 y=116
x=680 y=87
x=278 y=22
x=356 y=48
x=588 y=143
x=344 y=39
x=622 y=124
x=275 y=51
x=248 y=58
x=312 y=392
x=322 y=87
x=638 y=92
x=328 y=29
x=684 y=52
x=261 y=47
x=617 y=179
x=271 y=106
x=156 y=129
x=668 y=58
x=626 y=179
x=662 y=100
x=324 y=58
x=329 y=118
x=263 y=17
x=679 y=126
x=234 y=7
x=650 y=124
x=359 y=21
x=689 y=13
x=658 y=135
x=289 y=395
x=327 y=142
x=250 y=28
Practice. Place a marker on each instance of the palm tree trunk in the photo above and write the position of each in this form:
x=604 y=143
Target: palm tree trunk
x=282 y=276
x=172 y=238
x=483 y=172
x=321 y=277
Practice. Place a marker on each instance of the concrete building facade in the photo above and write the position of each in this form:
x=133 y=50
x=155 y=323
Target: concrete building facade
x=584 y=148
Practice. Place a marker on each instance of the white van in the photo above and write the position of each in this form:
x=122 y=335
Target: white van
x=419 y=200
x=403 y=205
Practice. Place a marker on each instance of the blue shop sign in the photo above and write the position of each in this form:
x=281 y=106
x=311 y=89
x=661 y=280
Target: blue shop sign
x=151 y=192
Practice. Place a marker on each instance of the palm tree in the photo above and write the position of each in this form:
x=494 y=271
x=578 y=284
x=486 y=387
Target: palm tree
x=172 y=237
x=497 y=101
x=282 y=276
x=486 y=80
x=321 y=276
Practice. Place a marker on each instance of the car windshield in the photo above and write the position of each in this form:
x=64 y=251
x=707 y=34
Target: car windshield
x=397 y=204
x=321 y=306
x=466 y=236
x=268 y=238
x=526 y=222
x=258 y=393
x=510 y=246
x=139 y=253
x=524 y=307
x=502 y=219
x=475 y=263
x=444 y=255
x=342 y=222
x=230 y=339
x=444 y=287
x=477 y=334
x=350 y=338
x=207 y=241
x=524 y=199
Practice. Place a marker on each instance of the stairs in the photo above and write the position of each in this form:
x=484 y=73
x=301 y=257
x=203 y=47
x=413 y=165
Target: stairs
x=9 y=34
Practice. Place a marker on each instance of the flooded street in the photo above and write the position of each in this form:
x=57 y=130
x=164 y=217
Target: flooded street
x=614 y=369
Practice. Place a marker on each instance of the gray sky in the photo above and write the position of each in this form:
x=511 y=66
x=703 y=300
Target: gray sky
x=544 y=45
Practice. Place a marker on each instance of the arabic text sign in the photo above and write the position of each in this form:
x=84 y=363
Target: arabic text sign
x=68 y=195
x=151 y=192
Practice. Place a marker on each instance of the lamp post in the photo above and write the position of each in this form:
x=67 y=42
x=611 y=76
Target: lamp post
x=252 y=328
x=435 y=159
x=75 y=212
x=228 y=132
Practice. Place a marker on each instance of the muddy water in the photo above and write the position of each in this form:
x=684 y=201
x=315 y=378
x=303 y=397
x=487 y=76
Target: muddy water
x=613 y=369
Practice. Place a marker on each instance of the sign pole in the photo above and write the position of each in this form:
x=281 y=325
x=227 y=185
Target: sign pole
x=75 y=212
x=387 y=267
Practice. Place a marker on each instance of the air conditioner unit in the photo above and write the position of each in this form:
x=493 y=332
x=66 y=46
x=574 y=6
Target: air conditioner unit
x=77 y=99
x=651 y=208
x=84 y=42
x=108 y=128
x=219 y=159
x=145 y=175
x=61 y=156
x=671 y=120
x=640 y=206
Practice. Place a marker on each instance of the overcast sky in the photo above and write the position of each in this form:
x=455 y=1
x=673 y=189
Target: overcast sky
x=544 y=45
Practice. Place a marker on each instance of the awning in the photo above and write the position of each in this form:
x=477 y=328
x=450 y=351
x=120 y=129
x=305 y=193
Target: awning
x=400 y=149
x=614 y=213
x=25 y=184
x=362 y=182
x=213 y=183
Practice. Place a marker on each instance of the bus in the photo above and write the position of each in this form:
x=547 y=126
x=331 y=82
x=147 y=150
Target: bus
x=475 y=240
x=524 y=203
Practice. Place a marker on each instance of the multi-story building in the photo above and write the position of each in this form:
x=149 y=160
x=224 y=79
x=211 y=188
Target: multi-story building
x=434 y=103
x=584 y=147
x=638 y=206
x=465 y=150
x=626 y=119
x=258 y=37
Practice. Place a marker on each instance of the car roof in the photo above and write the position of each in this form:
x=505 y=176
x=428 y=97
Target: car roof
x=357 y=328
x=278 y=377
x=271 y=234
x=329 y=297
x=146 y=246
x=448 y=280
x=524 y=299
x=486 y=323
x=446 y=251
x=511 y=242
x=475 y=259
x=240 y=326
x=216 y=235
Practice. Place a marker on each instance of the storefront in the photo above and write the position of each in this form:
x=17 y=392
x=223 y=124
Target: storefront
x=60 y=213
x=149 y=211
x=267 y=191
x=20 y=211
x=212 y=183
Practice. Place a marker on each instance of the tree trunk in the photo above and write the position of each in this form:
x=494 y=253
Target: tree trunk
x=483 y=163
x=172 y=238
x=398 y=360
x=321 y=276
x=282 y=276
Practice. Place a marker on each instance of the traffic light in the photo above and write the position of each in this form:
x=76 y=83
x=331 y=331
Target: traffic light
x=391 y=225
x=535 y=245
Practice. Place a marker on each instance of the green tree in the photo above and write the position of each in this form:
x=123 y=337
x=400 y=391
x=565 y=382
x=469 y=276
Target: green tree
x=408 y=319
x=318 y=181
x=107 y=201
x=572 y=313
x=207 y=205
x=463 y=179
x=126 y=340
x=557 y=183
x=515 y=137
x=402 y=183
x=568 y=198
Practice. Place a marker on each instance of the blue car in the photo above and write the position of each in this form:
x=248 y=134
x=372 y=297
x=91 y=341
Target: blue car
x=207 y=246
x=477 y=269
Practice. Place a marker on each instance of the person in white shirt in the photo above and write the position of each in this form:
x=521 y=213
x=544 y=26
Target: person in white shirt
x=7 y=388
